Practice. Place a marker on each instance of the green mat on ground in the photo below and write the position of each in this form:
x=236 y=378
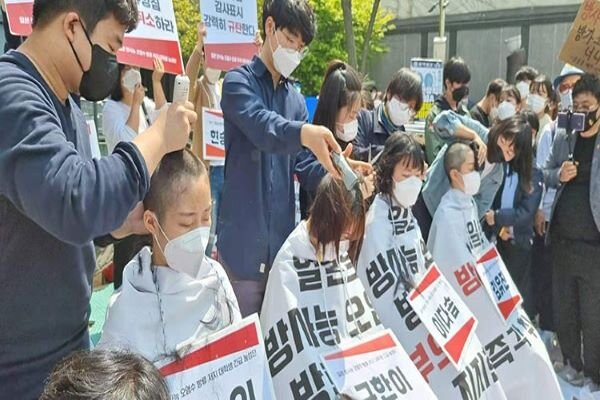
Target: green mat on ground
x=99 y=303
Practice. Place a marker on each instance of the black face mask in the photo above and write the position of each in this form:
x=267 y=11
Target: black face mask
x=591 y=117
x=460 y=93
x=98 y=82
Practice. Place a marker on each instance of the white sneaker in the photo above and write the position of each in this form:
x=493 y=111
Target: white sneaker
x=571 y=376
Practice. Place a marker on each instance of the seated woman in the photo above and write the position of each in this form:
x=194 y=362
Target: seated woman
x=456 y=241
x=394 y=259
x=172 y=293
x=313 y=300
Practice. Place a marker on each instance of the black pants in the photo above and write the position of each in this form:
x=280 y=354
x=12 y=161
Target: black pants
x=541 y=282
x=576 y=286
x=518 y=262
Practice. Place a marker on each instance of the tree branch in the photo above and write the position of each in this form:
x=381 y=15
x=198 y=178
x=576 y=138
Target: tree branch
x=350 y=43
x=365 y=51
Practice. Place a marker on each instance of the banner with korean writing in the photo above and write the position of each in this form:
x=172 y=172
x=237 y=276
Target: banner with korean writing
x=582 y=47
x=376 y=367
x=456 y=241
x=392 y=261
x=213 y=134
x=431 y=72
x=231 y=27
x=20 y=16
x=155 y=37
x=311 y=308
x=228 y=365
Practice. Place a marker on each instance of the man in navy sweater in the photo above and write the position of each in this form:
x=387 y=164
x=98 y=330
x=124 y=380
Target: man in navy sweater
x=54 y=199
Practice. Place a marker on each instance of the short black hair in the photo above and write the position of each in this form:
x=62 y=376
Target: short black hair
x=512 y=91
x=588 y=83
x=342 y=87
x=407 y=85
x=495 y=87
x=400 y=146
x=105 y=375
x=541 y=81
x=295 y=15
x=456 y=70
x=532 y=119
x=526 y=73
x=171 y=178
x=90 y=11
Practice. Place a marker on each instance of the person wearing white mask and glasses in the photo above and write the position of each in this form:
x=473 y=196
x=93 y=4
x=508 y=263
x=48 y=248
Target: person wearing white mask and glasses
x=341 y=94
x=172 y=293
x=403 y=99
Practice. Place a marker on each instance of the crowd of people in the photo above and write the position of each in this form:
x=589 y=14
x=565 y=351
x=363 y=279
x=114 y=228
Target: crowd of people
x=200 y=244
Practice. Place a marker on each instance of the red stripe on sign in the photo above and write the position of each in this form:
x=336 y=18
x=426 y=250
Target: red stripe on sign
x=432 y=275
x=216 y=113
x=20 y=18
x=239 y=340
x=377 y=344
x=457 y=343
x=214 y=151
x=229 y=55
x=141 y=52
x=507 y=307
x=490 y=255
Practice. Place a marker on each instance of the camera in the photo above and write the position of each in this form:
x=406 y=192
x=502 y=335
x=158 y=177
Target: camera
x=570 y=121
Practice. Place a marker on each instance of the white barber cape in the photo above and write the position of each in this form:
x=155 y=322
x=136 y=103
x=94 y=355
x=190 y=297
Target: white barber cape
x=158 y=310
x=513 y=346
x=308 y=310
x=393 y=259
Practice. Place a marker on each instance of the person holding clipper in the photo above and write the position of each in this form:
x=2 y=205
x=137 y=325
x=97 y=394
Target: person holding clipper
x=265 y=128
x=54 y=198
x=573 y=168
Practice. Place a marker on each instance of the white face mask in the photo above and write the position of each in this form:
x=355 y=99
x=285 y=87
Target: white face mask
x=566 y=100
x=131 y=78
x=212 y=75
x=348 y=132
x=285 y=60
x=407 y=191
x=523 y=88
x=185 y=253
x=506 y=110
x=399 y=112
x=472 y=182
x=536 y=102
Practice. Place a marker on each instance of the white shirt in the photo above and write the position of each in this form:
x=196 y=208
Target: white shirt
x=543 y=153
x=158 y=310
x=114 y=121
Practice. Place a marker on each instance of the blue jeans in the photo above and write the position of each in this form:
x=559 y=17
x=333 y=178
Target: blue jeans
x=216 y=185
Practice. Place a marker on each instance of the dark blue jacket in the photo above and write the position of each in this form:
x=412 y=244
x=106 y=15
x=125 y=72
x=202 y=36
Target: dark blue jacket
x=262 y=139
x=54 y=199
x=371 y=134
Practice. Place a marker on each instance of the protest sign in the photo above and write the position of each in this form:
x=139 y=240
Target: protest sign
x=498 y=283
x=93 y=135
x=230 y=364
x=20 y=16
x=431 y=72
x=155 y=36
x=582 y=47
x=376 y=366
x=213 y=134
x=230 y=32
x=393 y=260
x=512 y=344
x=445 y=315
x=314 y=307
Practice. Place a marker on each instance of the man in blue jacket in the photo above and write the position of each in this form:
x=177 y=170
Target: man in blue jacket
x=265 y=128
x=54 y=198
